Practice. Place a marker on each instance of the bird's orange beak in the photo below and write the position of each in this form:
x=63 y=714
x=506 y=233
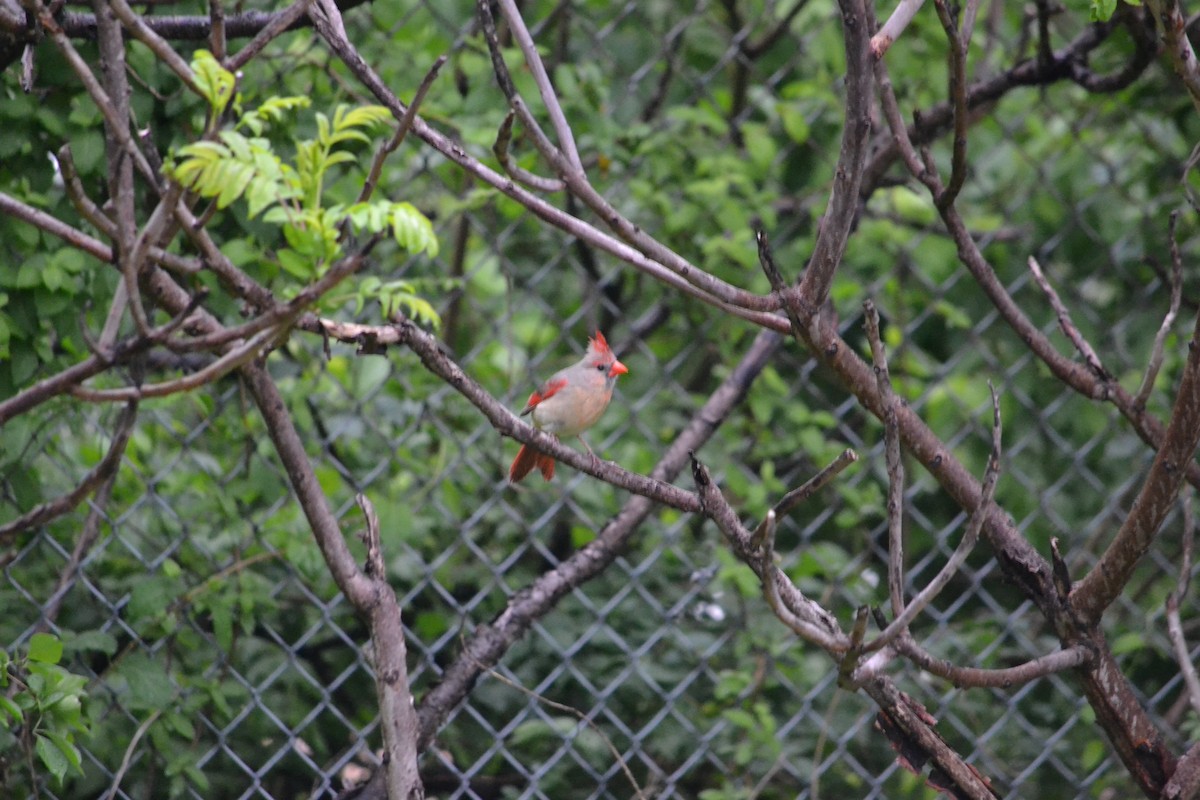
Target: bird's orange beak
x=617 y=369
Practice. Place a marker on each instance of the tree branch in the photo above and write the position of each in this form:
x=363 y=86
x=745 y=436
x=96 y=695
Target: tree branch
x=1112 y=571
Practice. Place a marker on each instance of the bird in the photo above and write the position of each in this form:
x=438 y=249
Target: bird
x=569 y=403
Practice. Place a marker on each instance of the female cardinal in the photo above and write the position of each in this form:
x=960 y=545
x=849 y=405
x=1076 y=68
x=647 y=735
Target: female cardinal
x=569 y=403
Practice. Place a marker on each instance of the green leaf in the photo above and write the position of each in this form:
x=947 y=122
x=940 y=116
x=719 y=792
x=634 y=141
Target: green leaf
x=53 y=758
x=149 y=686
x=216 y=83
x=1102 y=10
x=68 y=749
x=45 y=648
x=12 y=709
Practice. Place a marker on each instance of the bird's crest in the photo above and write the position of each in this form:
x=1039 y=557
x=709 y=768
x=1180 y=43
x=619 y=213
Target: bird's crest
x=599 y=345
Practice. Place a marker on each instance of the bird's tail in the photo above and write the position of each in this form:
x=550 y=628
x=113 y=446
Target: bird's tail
x=527 y=459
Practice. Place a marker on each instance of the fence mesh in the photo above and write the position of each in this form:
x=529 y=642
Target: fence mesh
x=224 y=664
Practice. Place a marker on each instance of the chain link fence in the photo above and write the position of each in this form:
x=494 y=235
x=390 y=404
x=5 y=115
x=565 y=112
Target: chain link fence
x=222 y=663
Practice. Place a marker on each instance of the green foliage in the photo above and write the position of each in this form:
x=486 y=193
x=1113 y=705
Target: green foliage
x=232 y=166
x=215 y=83
x=42 y=702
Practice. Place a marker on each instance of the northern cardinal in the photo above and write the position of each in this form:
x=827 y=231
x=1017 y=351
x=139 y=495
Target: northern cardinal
x=569 y=403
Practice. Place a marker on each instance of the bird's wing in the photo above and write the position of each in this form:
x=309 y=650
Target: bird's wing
x=547 y=389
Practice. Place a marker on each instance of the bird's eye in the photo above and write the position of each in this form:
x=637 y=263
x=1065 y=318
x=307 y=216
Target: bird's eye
x=600 y=367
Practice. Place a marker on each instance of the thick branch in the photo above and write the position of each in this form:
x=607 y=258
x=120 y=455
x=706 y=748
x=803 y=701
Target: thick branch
x=1107 y=579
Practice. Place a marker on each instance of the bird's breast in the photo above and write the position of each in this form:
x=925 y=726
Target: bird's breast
x=571 y=411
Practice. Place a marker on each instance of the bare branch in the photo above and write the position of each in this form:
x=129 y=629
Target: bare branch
x=900 y=624
x=397 y=713
x=895 y=466
x=566 y=139
x=134 y=23
x=1174 y=626
x=814 y=484
x=1079 y=377
x=92 y=213
x=268 y=30
x=974 y=677
x=804 y=616
x=1178 y=47
x=910 y=728
x=236 y=357
x=89 y=534
x=401 y=132
x=847 y=177
x=1065 y=323
x=97 y=475
x=894 y=26
x=117 y=124
x=958 y=103
x=1160 y=338
x=500 y=148
x=1108 y=577
x=217 y=38
x=1185 y=781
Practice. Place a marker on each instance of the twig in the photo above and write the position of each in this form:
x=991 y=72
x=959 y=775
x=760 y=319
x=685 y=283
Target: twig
x=805 y=621
x=804 y=616
x=276 y=24
x=157 y=44
x=1160 y=338
x=970 y=10
x=217 y=35
x=895 y=466
x=756 y=49
x=975 y=677
x=566 y=139
x=117 y=124
x=974 y=525
x=401 y=131
x=1174 y=626
x=894 y=26
x=500 y=148
x=815 y=483
x=97 y=475
x=549 y=151
x=111 y=44
x=1065 y=323
x=766 y=260
x=911 y=730
x=1178 y=47
x=239 y=282
x=127 y=759
x=88 y=536
x=958 y=102
x=235 y=358
x=1185 y=781
x=648 y=255
x=92 y=213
